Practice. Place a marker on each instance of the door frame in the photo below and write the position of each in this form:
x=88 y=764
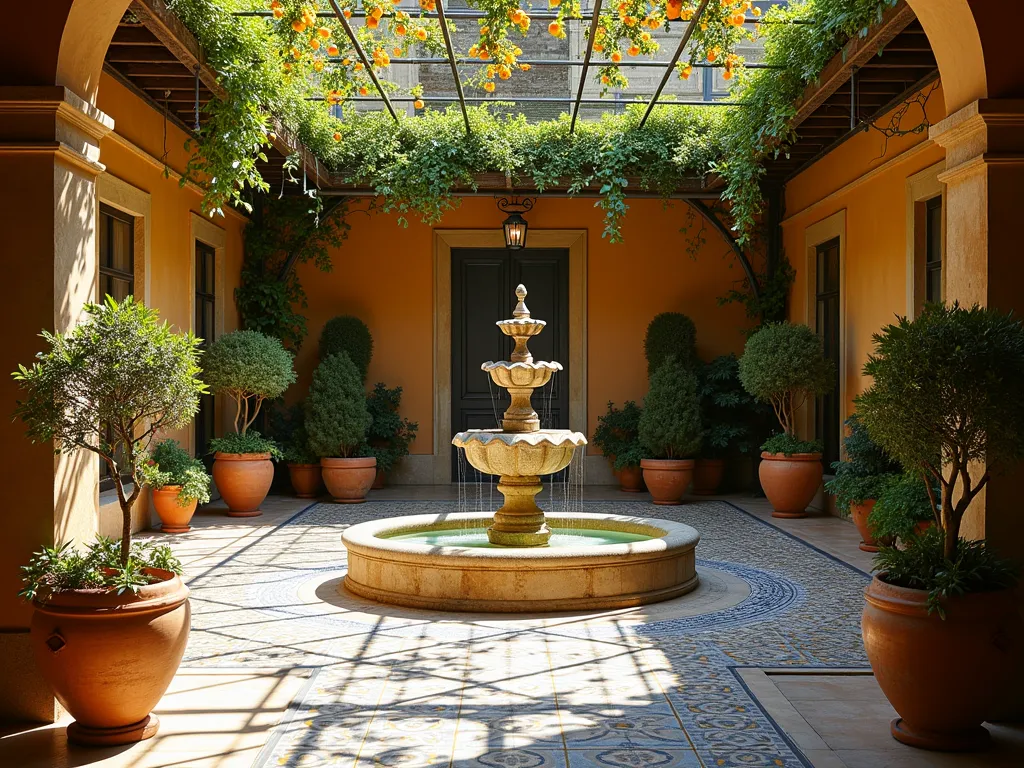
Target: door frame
x=575 y=240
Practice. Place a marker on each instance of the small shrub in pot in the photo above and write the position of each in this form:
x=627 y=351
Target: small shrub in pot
x=618 y=437
x=728 y=415
x=389 y=435
x=178 y=483
x=670 y=431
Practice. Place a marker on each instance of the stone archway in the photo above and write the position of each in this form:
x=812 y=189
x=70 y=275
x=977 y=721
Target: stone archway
x=88 y=30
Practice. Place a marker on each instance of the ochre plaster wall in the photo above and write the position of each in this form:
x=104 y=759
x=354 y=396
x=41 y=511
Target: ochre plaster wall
x=384 y=274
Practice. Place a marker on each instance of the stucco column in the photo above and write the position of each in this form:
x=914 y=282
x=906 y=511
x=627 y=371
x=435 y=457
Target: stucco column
x=49 y=150
x=984 y=176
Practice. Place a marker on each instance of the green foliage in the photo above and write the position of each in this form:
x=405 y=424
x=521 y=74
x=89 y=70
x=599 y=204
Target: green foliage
x=618 y=434
x=349 y=335
x=288 y=232
x=336 y=414
x=670 y=425
x=670 y=334
x=790 y=444
x=783 y=365
x=249 y=367
x=389 y=435
x=946 y=393
x=924 y=564
x=729 y=413
x=289 y=428
x=170 y=464
x=247 y=442
x=865 y=471
x=902 y=503
x=769 y=306
x=120 y=370
x=59 y=569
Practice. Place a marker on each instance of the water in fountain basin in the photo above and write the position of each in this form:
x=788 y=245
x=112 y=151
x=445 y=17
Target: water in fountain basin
x=476 y=538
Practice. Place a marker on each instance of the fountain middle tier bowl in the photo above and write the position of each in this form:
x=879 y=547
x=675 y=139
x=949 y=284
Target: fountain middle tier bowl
x=520 y=375
x=443 y=562
x=544 y=452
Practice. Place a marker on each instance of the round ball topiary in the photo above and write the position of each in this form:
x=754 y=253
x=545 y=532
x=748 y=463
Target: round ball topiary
x=336 y=413
x=670 y=333
x=348 y=334
x=670 y=425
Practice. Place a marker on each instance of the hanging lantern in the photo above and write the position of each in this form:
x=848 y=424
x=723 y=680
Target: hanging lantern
x=515 y=226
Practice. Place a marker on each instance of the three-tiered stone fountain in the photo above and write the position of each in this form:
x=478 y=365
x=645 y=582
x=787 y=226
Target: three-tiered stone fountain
x=522 y=561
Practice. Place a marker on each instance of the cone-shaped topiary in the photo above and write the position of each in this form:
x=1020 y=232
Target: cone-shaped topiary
x=670 y=426
x=670 y=333
x=336 y=414
x=348 y=334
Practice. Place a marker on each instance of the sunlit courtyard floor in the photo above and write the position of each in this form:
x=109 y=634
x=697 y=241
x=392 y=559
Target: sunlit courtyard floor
x=762 y=666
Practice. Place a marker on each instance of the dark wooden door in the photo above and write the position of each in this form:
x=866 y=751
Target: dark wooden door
x=483 y=292
x=827 y=317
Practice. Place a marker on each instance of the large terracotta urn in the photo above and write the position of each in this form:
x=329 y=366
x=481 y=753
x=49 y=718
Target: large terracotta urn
x=790 y=482
x=667 y=479
x=173 y=517
x=348 y=480
x=244 y=480
x=944 y=677
x=110 y=658
x=860 y=513
x=707 y=476
x=305 y=479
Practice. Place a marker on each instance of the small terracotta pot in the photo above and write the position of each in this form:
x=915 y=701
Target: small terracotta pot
x=174 y=518
x=631 y=479
x=109 y=658
x=667 y=479
x=305 y=479
x=348 y=480
x=923 y=526
x=860 y=513
x=707 y=476
x=944 y=677
x=243 y=479
x=379 y=481
x=790 y=482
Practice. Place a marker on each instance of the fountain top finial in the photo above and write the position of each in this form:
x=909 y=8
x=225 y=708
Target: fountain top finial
x=521 y=309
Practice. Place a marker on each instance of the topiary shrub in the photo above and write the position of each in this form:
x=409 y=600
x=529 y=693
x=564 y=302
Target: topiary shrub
x=783 y=365
x=336 y=414
x=670 y=334
x=350 y=335
x=670 y=426
x=389 y=435
x=618 y=434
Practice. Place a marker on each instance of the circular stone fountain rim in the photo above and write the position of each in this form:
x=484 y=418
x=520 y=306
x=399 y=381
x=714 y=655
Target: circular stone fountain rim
x=556 y=438
x=370 y=537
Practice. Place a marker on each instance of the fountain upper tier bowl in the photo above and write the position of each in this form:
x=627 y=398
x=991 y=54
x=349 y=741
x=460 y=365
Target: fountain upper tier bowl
x=519 y=453
x=633 y=561
x=520 y=375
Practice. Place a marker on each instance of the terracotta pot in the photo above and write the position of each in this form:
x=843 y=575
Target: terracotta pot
x=631 y=479
x=859 y=513
x=348 y=480
x=944 y=677
x=667 y=479
x=174 y=517
x=923 y=526
x=790 y=482
x=707 y=476
x=109 y=658
x=243 y=479
x=305 y=479
x=379 y=481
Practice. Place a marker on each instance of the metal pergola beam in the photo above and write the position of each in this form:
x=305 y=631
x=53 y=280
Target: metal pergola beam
x=358 y=14
x=537 y=100
x=683 y=41
x=586 y=64
x=362 y=57
x=560 y=63
x=452 y=61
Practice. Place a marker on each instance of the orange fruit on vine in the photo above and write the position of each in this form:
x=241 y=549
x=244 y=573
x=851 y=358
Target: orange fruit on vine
x=372 y=23
x=377 y=13
x=421 y=34
x=275 y=4
x=324 y=32
x=605 y=80
x=347 y=13
x=278 y=13
x=314 y=44
x=616 y=57
x=332 y=50
x=318 y=65
x=555 y=28
x=524 y=67
x=554 y=3
x=489 y=87
x=633 y=51
x=299 y=25
x=400 y=30
x=337 y=137
x=418 y=104
x=358 y=67
x=364 y=91
x=396 y=51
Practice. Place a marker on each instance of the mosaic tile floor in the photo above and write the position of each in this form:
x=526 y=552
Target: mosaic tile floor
x=650 y=688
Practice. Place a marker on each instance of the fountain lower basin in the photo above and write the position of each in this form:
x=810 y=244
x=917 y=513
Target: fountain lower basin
x=386 y=566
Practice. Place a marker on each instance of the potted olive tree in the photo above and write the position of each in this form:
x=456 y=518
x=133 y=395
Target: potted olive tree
x=783 y=365
x=251 y=368
x=177 y=483
x=942 y=625
x=111 y=621
x=336 y=422
x=389 y=435
x=670 y=334
x=670 y=431
x=618 y=437
x=860 y=478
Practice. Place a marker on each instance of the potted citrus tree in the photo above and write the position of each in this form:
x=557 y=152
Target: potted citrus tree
x=670 y=431
x=618 y=437
x=110 y=622
x=859 y=480
x=336 y=422
x=251 y=368
x=177 y=483
x=783 y=365
x=942 y=625
x=389 y=435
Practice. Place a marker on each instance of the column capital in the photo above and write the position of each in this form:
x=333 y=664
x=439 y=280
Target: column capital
x=986 y=131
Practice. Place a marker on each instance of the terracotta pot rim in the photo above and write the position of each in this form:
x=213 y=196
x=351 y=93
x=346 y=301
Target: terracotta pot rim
x=968 y=607
x=792 y=457
x=669 y=464
x=303 y=465
x=167 y=489
x=166 y=594
x=358 y=462
x=703 y=460
x=241 y=456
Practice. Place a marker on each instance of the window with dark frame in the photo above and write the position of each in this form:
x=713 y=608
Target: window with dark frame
x=206 y=312
x=826 y=407
x=933 y=249
x=116 y=279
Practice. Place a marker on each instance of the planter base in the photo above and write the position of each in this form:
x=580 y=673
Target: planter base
x=108 y=737
x=971 y=740
x=867 y=547
x=667 y=503
x=789 y=515
x=255 y=513
x=175 y=528
x=349 y=501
